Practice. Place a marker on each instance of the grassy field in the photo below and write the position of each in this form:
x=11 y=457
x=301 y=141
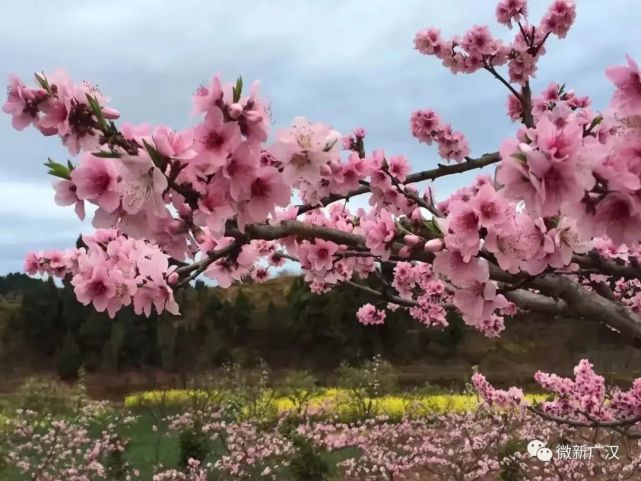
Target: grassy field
x=148 y=448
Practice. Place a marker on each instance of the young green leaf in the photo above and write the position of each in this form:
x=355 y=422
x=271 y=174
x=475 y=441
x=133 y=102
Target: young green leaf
x=107 y=154
x=238 y=89
x=58 y=170
x=97 y=111
x=156 y=157
x=44 y=83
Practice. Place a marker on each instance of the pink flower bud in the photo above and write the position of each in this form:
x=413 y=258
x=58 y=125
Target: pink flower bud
x=235 y=111
x=412 y=240
x=47 y=131
x=434 y=245
x=404 y=251
x=173 y=278
x=326 y=170
x=200 y=236
x=336 y=167
x=110 y=113
x=360 y=132
x=183 y=209
x=177 y=227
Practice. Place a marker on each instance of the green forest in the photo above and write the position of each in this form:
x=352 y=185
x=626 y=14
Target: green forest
x=280 y=322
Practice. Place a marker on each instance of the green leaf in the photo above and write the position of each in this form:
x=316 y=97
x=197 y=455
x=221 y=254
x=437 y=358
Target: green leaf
x=552 y=222
x=97 y=111
x=596 y=121
x=59 y=170
x=433 y=227
x=401 y=228
x=107 y=154
x=156 y=157
x=42 y=80
x=238 y=89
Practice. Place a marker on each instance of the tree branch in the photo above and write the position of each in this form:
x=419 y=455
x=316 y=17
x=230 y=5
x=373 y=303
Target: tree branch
x=440 y=171
x=394 y=299
x=591 y=423
x=577 y=300
x=604 y=266
x=526 y=104
x=532 y=301
x=581 y=302
x=499 y=77
x=200 y=266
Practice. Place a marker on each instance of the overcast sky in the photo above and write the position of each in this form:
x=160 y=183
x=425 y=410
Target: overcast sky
x=345 y=62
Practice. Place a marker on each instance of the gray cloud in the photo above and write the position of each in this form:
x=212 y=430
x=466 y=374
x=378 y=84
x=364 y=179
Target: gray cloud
x=346 y=63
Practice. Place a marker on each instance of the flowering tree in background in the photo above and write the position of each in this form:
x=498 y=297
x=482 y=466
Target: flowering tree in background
x=556 y=229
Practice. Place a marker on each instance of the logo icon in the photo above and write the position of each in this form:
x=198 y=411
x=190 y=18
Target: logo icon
x=538 y=449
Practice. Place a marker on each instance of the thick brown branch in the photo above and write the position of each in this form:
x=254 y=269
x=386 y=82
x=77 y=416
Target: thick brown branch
x=526 y=104
x=581 y=302
x=576 y=299
x=531 y=301
x=303 y=231
x=603 y=290
x=607 y=267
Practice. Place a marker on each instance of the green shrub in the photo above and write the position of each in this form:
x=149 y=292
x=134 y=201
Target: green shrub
x=194 y=444
x=365 y=384
x=299 y=387
x=4 y=442
x=49 y=397
x=42 y=396
x=116 y=467
x=308 y=463
x=510 y=470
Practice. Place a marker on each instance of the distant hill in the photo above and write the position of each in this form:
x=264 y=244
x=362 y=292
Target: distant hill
x=530 y=342
x=261 y=294
x=282 y=322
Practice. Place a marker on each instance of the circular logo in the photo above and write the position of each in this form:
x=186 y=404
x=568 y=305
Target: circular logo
x=537 y=449
x=534 y=446
x=544 y=454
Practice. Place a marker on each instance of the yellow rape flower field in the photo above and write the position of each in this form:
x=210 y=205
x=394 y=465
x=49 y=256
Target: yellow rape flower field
x=331 y=401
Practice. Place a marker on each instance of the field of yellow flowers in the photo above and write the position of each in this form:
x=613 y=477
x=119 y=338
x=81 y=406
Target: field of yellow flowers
x=331 y=401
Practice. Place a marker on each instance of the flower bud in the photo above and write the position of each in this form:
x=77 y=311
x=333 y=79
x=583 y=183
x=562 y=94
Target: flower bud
x=177 y=227
x=404 y=251
x=235 y=111
x=110 y=113
x=183 y=210
x=412 y=240
x=172 y=278
x=200 y=236
x=335 y=167
x=326 y=170
x=434 y=245
x=360 y=133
